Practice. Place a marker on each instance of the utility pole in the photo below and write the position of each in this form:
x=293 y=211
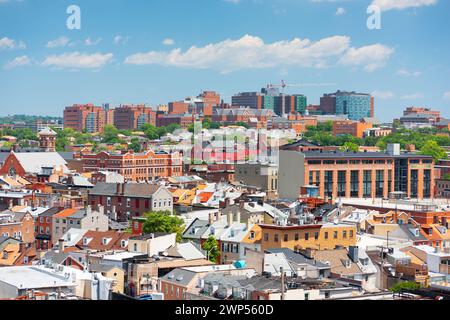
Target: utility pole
x=282 y=283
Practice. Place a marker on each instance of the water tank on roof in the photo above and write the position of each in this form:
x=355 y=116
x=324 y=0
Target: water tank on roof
x=241 y=264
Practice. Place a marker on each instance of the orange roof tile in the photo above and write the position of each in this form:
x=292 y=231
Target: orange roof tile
x=205 y=196
x=65 y=213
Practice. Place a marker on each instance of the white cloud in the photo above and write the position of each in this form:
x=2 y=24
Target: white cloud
x=77 y=60
x=383 y=94
x=59 y=42
x=251 y=52
x=447 y=95
x=120 y=40
x=340 y=11
x=386 y=5
x=18 y=62
x=407 y=73
x=90 y=42
x=7 y=43
x=372 y=57
x=412 y=96
x=168 y=42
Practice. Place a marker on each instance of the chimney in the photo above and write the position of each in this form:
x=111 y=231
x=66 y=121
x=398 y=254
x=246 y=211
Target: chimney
x=241 y=204
x=61 y=245
x=118 y=187
x=353 y=253
x=211 y=218
x=230 y=218
x=238 y=217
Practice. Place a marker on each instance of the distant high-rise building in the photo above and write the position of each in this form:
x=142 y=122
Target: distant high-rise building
x=131 y=117
x=203 y=104
x=436 y=115
x=209 y=100
x=252 y=100
x=355 y=105
x=87 y=117
x=271 y=99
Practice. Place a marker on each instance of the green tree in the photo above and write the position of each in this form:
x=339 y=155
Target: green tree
x=110 y=134
x=242 y=124
x=135 y=145
x=350 y=147
x=431 y=148
x=406 y=285
x=211 y=246
x=172 y=127
x=163 y=221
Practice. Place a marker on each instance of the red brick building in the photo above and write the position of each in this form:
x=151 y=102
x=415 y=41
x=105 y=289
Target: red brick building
x=44 y=229
x=178 y=107
x=129 y=200
x=183 y=120
x=354 y=128
x=209 y=99
x=133 y=117
x=17 y=225
x=148 y=166
x=87 y=118
x=422 y=111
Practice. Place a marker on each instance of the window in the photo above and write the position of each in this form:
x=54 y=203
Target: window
x=252 y=235
x=344 y=234
x=335 y=235
x=316 y=236
x=326 y=235
x=306 y=236
x=351 y=233
x=286 y=237
x=135 y=247
x=296 y=237
x=275 y=238
x=266 y=237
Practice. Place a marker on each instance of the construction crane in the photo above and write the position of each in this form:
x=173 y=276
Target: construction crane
x=284 y=85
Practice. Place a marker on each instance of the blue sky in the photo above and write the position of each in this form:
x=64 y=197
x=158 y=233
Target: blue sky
x=155 y=51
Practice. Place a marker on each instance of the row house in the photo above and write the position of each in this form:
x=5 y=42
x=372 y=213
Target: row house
x=86 y=219
x=17 y=225
x=123 y=201
x=148 y=166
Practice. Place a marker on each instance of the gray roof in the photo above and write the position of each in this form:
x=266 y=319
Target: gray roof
x=199 y=226
x=404 y=232
x=298 y=258
x=131 y=190
x=260 y=283
x=180 y=277
x=33 y=162
x=50 y=212
x=55 y=257
x=97 y=267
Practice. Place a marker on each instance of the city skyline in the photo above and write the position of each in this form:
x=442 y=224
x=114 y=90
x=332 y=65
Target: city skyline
x=153 y=53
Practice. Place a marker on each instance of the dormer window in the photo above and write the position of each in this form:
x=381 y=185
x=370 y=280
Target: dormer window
x=105 y=241
x=123 y=243
x=252 y=235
